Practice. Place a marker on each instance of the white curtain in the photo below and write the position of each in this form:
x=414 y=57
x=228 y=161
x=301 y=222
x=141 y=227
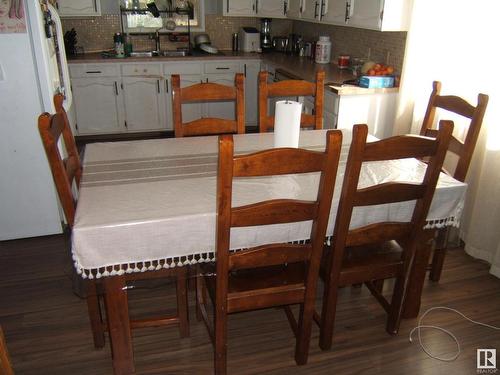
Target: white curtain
x=456 y=42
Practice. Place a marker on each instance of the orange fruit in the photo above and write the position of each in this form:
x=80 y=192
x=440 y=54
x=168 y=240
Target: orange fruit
x=390 y=70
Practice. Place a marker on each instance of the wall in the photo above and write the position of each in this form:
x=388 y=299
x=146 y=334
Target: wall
x=384 y=47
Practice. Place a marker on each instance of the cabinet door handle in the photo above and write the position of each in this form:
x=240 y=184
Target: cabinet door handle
x=347 y=11
x=95 y=5
x=227 y=6
x=166 y=85
x=158 y=85
x=93 y=72
x=245 y=70
x=116 y=88
x=256 y=6
x=206 y=80
x=222 y=68
x=316 y=9
x=284 y=7
x=322 y=11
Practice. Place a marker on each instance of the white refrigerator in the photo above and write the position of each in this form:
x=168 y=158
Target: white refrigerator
x=32 y=69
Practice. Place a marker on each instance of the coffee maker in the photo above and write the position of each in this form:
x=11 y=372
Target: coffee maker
x=265 y=34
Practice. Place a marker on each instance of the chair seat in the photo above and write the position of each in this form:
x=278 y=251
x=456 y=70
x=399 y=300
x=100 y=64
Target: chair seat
x=363 y=263
x=257 y=288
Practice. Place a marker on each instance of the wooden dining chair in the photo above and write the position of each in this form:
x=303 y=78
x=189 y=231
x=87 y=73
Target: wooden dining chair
x=5 y=361
x=271 y=275
x=67 y=173
x=291 y=88
x=446 y=105
x=208 y=92
x=383 y=249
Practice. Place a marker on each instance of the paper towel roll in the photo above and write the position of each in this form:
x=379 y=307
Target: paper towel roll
x=287 y=123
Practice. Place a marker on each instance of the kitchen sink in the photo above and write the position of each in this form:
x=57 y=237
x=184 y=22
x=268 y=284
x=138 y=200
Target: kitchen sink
x=174 y=53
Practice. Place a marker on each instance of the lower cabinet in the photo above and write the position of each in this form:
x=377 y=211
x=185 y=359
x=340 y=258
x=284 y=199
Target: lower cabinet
x=131 y=97
x=98 y=103
x=144 y=101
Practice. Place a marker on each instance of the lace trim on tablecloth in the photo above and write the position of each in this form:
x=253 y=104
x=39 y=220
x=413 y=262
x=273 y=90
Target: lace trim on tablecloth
x=202 y=257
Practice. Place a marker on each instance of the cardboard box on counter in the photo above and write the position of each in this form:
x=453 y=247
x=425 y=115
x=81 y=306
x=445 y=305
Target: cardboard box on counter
x=376 y=82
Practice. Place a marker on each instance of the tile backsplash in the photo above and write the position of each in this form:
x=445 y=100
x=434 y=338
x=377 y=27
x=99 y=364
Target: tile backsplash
x=96 y=34
x=386 y=47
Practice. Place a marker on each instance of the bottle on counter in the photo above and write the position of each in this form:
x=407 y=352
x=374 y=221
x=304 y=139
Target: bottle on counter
x=119 y=48
x=323 y=50
x=234 y=42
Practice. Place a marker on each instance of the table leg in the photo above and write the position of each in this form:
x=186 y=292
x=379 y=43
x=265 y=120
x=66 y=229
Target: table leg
x=418 y=272
x=119 y=325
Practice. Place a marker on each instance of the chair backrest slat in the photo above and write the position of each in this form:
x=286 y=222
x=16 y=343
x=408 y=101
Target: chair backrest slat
x=378 y=233
x=208 y=92
x=457 y=105
x=291 y=88
x=273 y=212
x=269 y=255
x=399 y=147
x=270 y=162
x=388 y=192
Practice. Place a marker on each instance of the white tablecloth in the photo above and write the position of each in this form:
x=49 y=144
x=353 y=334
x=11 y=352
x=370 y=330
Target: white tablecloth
x=149 y=204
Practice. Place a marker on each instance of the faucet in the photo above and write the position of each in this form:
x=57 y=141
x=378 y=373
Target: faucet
x=156 y=37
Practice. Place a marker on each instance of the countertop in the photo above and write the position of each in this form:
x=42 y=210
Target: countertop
x=295 y=66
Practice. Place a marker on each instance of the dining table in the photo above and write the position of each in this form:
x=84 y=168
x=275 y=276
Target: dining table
x=146 y=205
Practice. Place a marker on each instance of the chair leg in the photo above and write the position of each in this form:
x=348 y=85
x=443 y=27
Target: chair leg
x=182 y=301
x=304 y=334
x=396 y=309
x=199 y=294
x=5 y=361
x=328 y=312
x=95 y=314
x=441 y=244
x=220 y=360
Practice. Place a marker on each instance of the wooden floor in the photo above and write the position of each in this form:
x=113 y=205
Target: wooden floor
x=47 y=330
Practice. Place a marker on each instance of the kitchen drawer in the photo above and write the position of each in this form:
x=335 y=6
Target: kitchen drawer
x=93 y=70
x=222 y=67
x=182 y=68
x=141 y=70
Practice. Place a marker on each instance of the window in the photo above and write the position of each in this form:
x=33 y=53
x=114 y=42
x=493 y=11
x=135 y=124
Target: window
x=137 y=19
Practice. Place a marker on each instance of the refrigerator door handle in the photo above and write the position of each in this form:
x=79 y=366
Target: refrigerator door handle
x=68 y=95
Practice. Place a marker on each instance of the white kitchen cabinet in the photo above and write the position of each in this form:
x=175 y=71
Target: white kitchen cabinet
x=220 y=109
x=79 y=8
x=251 y=70
x=144 y=101
x=238 y=8
x=272 y=8
x=253 y=8
x=383 y=15
x=310 y=10
x=295 y=8
x=335 y=11
x=98 y=105
x=376 y=110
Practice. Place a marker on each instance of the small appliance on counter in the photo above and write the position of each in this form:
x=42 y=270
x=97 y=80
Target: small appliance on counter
x=249 y=39
x=265 y=34
x=280 y=43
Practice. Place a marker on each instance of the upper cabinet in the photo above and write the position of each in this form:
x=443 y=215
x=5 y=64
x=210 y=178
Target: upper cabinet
x=254 y=8
x=78 y=8
x=382 y=15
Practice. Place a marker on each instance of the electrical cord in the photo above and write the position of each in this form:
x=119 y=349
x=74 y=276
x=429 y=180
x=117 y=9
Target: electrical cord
x=419 y=327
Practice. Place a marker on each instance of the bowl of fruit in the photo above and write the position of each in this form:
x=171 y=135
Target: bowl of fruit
x=375 y=75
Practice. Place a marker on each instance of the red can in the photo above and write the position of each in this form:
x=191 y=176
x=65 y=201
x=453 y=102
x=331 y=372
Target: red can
x=344 y=61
